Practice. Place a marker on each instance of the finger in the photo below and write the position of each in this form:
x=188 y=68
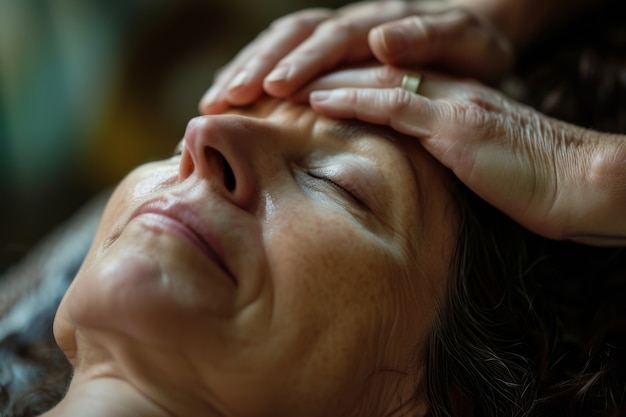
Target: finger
x=454 y=40
x=240 y=82
x=343 y=39
x=375 y=76
x=403 y=111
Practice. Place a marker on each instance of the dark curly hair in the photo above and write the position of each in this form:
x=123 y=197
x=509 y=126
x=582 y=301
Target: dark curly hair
x=533 y=327
x=530 y=327
x=34 y=375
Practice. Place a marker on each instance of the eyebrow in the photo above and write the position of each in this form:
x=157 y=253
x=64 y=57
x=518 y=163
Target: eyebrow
x=347 y=131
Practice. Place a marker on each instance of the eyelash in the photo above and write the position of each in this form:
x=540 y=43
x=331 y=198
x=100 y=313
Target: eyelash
x=346 y=189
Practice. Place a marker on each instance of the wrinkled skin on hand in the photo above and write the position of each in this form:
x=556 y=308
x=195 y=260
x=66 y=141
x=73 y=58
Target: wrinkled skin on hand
x=304 y=45
x=556 y=179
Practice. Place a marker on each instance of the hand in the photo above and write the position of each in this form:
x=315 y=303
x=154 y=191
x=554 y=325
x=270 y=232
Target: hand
x=301 y=46
x=556 y=179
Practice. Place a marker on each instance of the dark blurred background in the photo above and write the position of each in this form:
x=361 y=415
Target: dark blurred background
x=90 y=89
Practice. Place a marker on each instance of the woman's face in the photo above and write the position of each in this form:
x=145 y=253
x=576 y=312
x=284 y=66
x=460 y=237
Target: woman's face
x=283 y=264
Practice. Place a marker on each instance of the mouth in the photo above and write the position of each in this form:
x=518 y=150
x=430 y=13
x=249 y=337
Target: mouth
x=183 y=221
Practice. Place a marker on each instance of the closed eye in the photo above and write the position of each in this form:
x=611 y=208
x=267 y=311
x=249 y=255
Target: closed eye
x=342 y=187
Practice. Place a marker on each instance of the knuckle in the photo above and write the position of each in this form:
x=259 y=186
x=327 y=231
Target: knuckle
x=305 y=20
x=352 y=98
x=266 y=56
x=385 y=76
x=474 y=116
x=425 y=31
x=475 y=97
x=338 y=28
x=470 y=113
x=399 y=101
x=405 y=110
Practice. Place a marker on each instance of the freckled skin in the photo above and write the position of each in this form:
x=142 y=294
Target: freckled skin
x=324 y=301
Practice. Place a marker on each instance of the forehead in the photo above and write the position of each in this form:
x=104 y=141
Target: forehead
x=284 y=113
x=399 y=153
x=400 y=150
x=389 y=146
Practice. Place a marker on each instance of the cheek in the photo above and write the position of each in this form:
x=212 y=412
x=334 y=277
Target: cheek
x=324 y=254
x=134 y=188
x=332 y=280
x=341 y=305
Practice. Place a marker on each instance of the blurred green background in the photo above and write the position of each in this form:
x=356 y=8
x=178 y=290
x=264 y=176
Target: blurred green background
x=90 y=89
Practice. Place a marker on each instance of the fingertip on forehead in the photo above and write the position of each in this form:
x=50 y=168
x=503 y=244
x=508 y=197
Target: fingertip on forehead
x=295 y=115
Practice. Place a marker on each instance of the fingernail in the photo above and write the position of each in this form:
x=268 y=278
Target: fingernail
x=279 y=74
x=239 y=80
x=393 y=40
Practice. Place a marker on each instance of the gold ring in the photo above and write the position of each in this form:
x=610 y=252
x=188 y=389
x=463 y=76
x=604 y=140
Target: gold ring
x=411 y=82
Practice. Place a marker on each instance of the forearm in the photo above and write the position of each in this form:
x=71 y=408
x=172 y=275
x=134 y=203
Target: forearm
x=524 y=21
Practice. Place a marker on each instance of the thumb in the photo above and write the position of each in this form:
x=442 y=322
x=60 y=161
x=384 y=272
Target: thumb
x=454 y=40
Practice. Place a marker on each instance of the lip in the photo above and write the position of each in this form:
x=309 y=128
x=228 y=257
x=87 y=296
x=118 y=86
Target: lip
x=183 y=220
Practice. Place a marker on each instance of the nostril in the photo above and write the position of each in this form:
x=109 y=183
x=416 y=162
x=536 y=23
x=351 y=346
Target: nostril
x=219 y=163
x=229 y=176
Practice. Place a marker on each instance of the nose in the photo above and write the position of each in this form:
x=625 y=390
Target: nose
x=218 y=149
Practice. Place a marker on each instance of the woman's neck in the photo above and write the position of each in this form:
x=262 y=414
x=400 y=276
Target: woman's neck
x=106 y=397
